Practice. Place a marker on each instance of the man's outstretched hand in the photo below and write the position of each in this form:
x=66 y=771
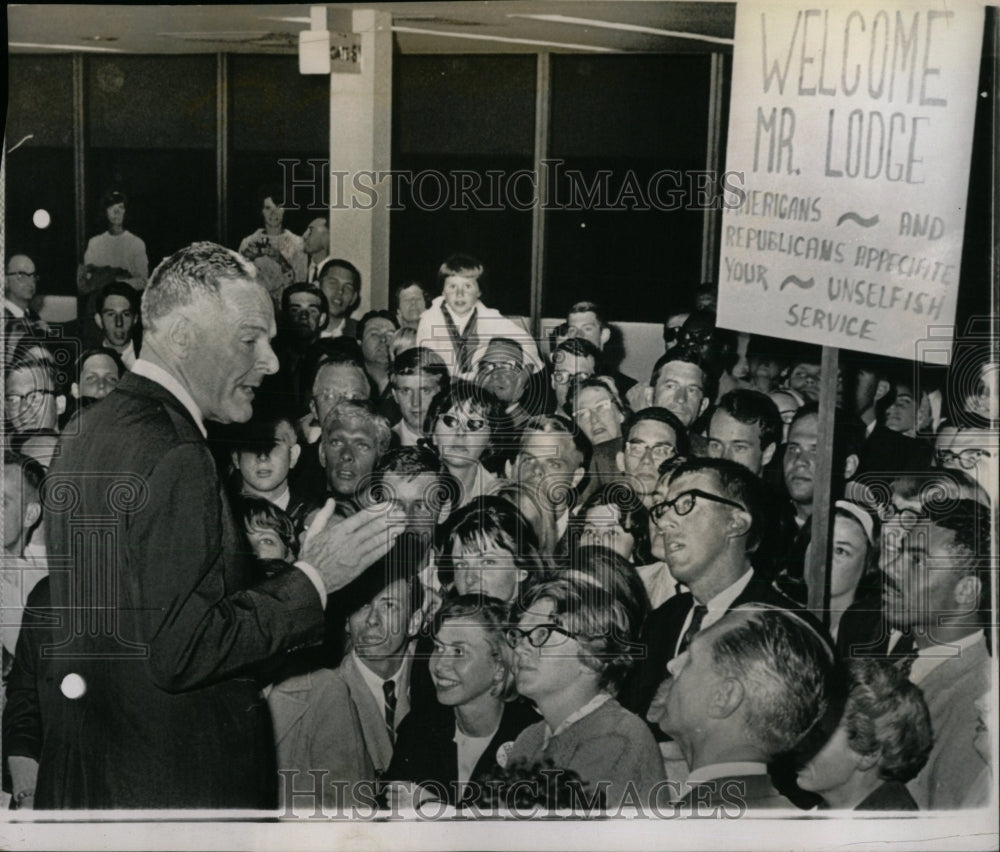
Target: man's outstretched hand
x=341 y=549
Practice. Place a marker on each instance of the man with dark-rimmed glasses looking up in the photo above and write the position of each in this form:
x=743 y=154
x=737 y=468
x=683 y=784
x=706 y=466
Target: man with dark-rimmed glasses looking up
x=708 y=515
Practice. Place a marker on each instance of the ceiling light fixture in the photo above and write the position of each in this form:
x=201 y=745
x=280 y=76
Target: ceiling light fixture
x=505 y=39
x=31 y=45
x=615 y=25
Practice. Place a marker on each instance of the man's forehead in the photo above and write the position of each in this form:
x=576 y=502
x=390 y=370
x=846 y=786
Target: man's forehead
x=28 y=376
x=546 y=443
x=974 y=437
x=681 y=370
x=304 y=298
x=503 y=352
x=317 y=223
x=723 y=421
x=350 y=427
x=97 y=362
x=337 y=376
x=379 y=324
x=804 y=428
x=117 y=303
x=652 y=432
x=701 y=480
x=582 y=318
x=20 y=263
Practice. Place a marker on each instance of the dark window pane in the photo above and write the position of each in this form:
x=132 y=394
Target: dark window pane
x=40 y=101
x=621 y=127
x=276 y=114
x=161 y=102
x=464 y=121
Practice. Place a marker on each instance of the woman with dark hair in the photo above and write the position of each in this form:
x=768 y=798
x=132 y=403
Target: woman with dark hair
x=443 y=748
x=882 y=741
x=615 y=517
x=458 y=426
x=116 y=248
x=854 y=571
x=574 y=642
x=278 y=254
x=489 y=549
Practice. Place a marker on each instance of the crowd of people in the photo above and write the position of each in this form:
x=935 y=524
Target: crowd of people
x=263 y=554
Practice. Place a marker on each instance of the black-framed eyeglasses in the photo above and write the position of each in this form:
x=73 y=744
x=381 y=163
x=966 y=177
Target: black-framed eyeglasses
x=473 y=424
x=659 y=452
x=536 y=636
x=966 y=459
x=563 y=377
x=906 y=518
x=487 y=367
x=684 y=502
x=30 y=399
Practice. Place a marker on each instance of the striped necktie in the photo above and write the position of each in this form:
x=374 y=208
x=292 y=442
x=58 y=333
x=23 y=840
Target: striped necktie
x=389 y=691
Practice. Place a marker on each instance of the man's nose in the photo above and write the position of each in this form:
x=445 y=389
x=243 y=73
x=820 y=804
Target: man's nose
x=119 y=320
x=268 y=360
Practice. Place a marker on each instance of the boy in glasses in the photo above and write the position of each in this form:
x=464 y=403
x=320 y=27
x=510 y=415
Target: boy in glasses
x=651 y=437
x=575 y=359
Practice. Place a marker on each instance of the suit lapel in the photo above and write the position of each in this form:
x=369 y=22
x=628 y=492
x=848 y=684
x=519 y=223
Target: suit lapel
x=370 y=713
x=289 y=701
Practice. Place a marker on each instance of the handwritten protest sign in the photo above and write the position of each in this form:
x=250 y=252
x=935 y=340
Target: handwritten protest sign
x=850 y=138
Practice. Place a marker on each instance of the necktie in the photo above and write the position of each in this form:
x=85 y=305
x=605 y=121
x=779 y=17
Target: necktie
x=696 y=619
x=389 y=691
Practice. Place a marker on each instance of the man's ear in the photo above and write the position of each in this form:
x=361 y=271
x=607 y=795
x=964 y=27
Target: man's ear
x=413 y=625
x=32 y=512
x=620 y=461
x=180 y=332
x=647 y=395
x=74 y=390
x=578 y=475
x=61 y=404
x=768 y=454
x=235 y=456
x=293 y=456
x=605 y=336
x=881 y=389
x=740 y=522
x=726 y=698
x=704 y=404
x=967 y=592
x=97 y=319
x=850 y=466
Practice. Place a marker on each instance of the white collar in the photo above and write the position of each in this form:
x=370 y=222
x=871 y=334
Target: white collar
x=725 y=770
x=16 y=310
x=374 y=682
x=169 y=383
x=572 y=718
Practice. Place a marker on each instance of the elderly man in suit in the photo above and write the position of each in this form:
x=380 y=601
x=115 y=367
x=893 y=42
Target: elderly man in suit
x=166 y=640
x=746 y=690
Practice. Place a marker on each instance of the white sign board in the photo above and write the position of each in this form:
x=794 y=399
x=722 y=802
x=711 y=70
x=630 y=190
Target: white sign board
x=850 y=136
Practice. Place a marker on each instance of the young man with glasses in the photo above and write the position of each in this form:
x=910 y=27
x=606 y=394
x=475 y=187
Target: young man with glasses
x=708 y=513
x=651 y=437
x=31 y=401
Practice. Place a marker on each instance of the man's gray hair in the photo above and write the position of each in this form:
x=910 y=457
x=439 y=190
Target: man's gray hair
x=359 y=410
x=191 y=274
x=784 y=665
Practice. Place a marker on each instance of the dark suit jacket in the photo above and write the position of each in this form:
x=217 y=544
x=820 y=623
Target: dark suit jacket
x=662 y=632
x=885 y=451
x=160 y=622
x=754 y=792
x=426 y=750
x=890 y=796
